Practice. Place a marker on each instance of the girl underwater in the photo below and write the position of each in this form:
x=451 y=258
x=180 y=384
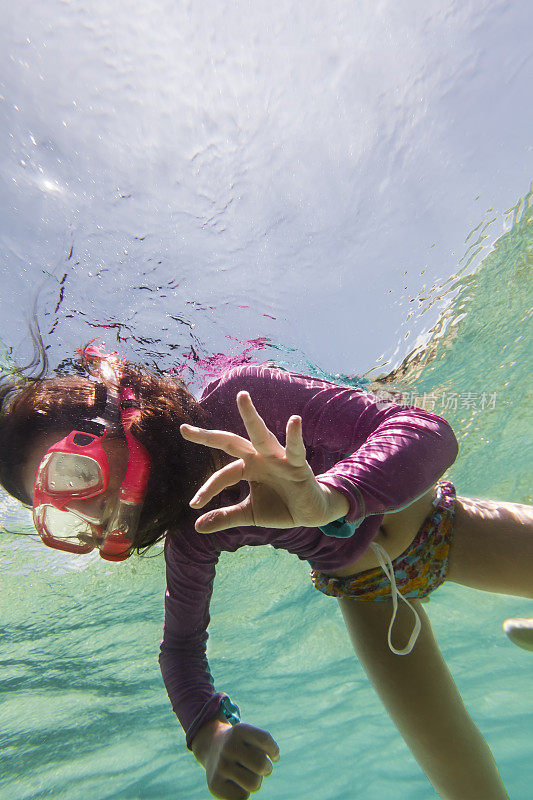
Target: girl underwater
x=116 y=458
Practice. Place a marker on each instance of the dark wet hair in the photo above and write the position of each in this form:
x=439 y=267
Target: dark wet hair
x=32 y=405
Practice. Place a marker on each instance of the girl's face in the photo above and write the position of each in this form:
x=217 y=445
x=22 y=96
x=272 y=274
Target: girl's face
x=98 y=508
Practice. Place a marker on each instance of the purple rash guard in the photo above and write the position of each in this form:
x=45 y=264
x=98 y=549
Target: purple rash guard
x=380 y=456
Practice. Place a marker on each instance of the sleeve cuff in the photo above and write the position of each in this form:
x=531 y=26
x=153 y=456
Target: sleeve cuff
x=340 y=529
x=356 y=512
x=218 y=702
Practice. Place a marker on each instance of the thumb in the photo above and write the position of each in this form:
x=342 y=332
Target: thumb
x=222 y=519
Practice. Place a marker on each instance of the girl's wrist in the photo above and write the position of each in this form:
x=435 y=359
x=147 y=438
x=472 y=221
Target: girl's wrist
x=337 y=504
x=202 y=741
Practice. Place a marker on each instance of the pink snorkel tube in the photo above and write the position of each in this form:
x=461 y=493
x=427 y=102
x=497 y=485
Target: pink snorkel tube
x=125 y=518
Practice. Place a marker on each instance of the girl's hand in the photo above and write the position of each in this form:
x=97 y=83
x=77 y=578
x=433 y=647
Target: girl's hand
x=283 y=490
x=237 y=760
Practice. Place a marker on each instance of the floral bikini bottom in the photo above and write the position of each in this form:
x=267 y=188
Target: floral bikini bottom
x=419 y=570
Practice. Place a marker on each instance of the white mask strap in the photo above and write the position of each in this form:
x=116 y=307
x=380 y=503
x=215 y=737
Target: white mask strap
x=386 y=565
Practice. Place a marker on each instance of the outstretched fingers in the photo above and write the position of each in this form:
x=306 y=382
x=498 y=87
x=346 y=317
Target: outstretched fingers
x=220 y=480
x=230 y=443
x=294 y=446
x=223 y=518
x=261 y=437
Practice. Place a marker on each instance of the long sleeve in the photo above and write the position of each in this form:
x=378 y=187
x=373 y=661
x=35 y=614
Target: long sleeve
x=381 y=456
x=190 y=566
x=397 y=455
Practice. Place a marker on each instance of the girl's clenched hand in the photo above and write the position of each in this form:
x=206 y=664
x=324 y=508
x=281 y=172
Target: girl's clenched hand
x=237 y=760
x=283 y=490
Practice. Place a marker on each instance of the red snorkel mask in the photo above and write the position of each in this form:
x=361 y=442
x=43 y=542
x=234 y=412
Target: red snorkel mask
x=76 y=468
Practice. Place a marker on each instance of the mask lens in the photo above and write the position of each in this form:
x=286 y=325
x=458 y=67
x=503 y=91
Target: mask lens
x=66 y=526
x=66 y=472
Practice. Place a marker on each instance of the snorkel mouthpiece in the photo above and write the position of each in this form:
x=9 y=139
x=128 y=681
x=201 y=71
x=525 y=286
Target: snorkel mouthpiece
x=116 y=546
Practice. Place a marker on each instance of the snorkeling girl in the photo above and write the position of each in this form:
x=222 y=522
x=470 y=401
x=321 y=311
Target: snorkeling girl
x=118 y=459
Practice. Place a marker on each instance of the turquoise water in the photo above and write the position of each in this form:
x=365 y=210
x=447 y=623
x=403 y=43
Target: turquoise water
x=84 y=712
x=321 y=184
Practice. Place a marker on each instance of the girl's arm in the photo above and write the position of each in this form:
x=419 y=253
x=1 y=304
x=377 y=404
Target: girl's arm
x=405 y=451
x=302 y=442
x=190 y=566
x=235 y=757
